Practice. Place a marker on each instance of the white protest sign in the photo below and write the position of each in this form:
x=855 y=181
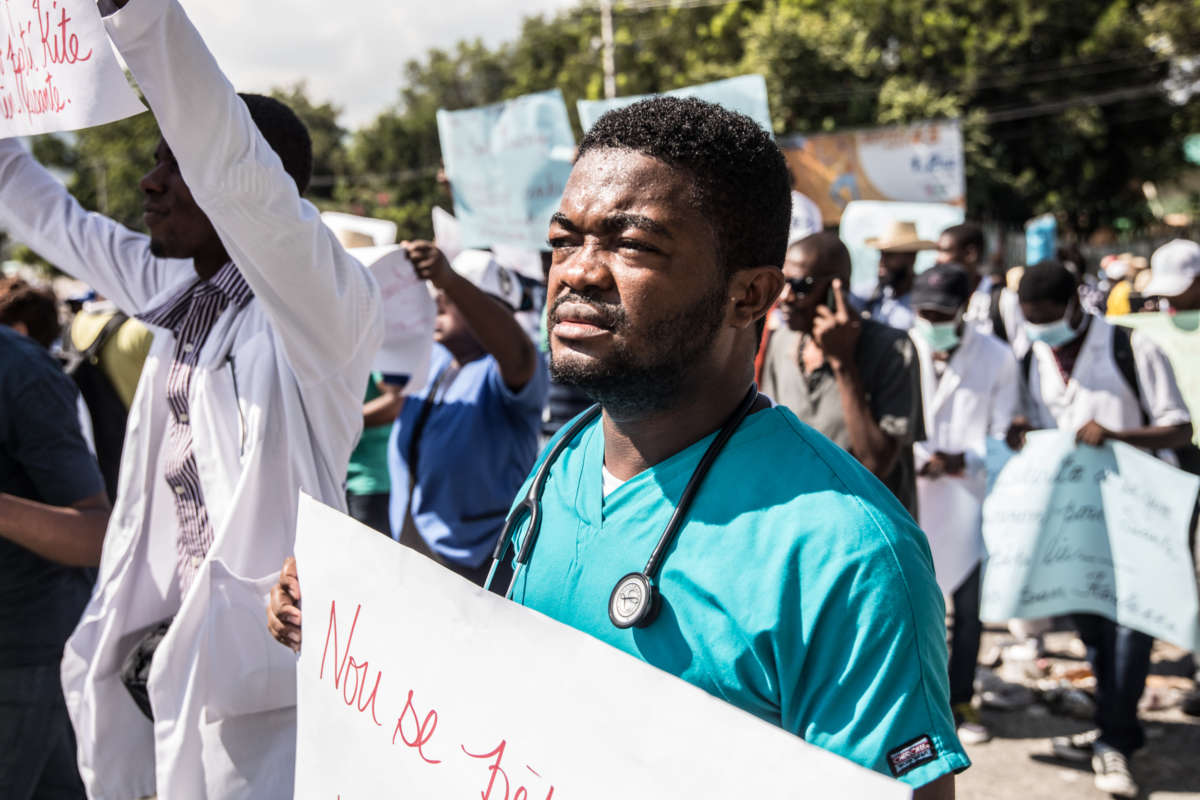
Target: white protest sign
x=1099 y=530
x=949 y=511
x=507 y=164
x=408 y=315
x=413 y=682
x=57 y=69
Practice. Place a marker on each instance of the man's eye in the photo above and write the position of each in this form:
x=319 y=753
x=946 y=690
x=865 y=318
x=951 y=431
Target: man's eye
x=559 y=242
x=635 y=244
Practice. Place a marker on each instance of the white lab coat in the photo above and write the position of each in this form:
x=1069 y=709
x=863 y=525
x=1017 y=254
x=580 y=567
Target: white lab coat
x=275 y=409
x=1097 y=389
x=977 y=398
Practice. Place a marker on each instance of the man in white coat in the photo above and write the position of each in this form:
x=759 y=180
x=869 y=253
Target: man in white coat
x=1103 y=383
x=970 y=392
x=265 y=331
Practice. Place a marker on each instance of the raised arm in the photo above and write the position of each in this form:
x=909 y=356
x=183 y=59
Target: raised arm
x=324 y=306
x=38 y=211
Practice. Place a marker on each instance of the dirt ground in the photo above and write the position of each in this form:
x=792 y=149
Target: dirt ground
x=1018 y=763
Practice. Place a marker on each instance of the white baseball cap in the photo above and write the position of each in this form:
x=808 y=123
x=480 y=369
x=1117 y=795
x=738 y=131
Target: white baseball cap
x=1173 y=268
x=482 y=269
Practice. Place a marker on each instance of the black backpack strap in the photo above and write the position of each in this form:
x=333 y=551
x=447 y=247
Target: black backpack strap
x=1122 y=351
x=1027 y=364
x=75 y=357
x=998 y=328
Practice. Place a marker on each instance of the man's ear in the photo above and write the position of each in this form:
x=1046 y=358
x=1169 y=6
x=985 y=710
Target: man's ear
x=753 y=291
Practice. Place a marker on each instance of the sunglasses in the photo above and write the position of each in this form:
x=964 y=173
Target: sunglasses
x=802 y=287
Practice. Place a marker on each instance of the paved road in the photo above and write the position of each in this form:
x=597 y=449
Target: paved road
x=1017 y=762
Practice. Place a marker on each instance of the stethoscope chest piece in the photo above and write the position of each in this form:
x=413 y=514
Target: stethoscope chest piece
x=632 y=602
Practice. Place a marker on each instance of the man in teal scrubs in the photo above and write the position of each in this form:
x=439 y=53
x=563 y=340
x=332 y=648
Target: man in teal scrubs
x=798 y=589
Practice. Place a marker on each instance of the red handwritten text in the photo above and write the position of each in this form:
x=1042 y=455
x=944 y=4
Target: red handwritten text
x=347 y=667
x=423 y=730
x=498 y=771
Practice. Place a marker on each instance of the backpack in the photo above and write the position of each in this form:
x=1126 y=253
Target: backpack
x=1122 y=352
x=108 y=412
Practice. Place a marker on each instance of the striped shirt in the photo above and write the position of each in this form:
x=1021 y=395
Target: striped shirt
x=191 y=315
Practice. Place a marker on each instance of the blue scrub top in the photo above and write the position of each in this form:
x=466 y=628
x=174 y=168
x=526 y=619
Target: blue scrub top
x=476 y=446
x=799 y=589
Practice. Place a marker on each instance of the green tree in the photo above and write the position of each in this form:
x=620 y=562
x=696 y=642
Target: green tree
x=330 y=160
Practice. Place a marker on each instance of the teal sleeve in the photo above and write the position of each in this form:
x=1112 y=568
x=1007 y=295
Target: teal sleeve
x=873 y=684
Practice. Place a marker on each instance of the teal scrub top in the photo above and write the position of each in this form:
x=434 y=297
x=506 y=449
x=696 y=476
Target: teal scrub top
x=799 y=589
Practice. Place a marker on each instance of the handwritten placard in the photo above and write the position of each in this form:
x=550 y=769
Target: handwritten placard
x=507 y=164
x=57 y=69
x=745 y=94
x=414 y=682
x=1100 y=530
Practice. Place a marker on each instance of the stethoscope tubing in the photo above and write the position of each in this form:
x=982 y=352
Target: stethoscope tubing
x=531 y=503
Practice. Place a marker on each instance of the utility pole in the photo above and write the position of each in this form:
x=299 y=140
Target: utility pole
x=606 y=36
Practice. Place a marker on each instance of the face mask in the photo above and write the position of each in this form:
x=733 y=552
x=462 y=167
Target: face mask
x=1055 y=334
x=940 y=336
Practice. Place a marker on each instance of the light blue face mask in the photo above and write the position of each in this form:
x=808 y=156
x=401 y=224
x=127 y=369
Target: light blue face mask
x=940 y=336
x=1055 y=334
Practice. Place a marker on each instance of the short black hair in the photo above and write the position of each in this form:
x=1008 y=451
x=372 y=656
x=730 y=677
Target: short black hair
x=35 y=307
x=830 y=251
x=286 y=134
x=741 y=180
x=1048 y=280
x=968 y=234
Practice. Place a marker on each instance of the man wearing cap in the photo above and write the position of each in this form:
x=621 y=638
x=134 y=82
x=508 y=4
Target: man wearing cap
x=855 y=380
x=1103 y=383
x=462 y=446
x=891 y=303
x=970 y=393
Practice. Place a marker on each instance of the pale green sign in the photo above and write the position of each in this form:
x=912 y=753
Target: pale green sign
x=1179 y=337
x=1097 y=530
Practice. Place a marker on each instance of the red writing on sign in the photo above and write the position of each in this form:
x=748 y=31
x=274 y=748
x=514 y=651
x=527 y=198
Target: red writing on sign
x=38 y=41
x=497 y=772
x=413 y=729
x=348 y=674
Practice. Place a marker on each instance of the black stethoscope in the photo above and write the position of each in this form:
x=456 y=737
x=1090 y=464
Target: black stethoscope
x=634 y=601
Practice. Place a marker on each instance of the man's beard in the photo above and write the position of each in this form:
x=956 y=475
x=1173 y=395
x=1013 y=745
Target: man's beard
x=636 y=380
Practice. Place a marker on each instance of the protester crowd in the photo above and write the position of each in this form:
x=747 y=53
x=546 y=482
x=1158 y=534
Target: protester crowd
x=225 y=363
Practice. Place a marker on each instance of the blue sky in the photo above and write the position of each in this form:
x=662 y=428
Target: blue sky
x=350 y=52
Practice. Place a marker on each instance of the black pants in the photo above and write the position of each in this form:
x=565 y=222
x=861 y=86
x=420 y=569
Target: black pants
x=37 y=744
x=1120 y=659
x=965 y=633
x=371 y=510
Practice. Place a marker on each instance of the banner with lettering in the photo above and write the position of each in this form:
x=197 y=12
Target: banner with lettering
x=1099 y=530
x=745 y=94
x=57 y=69
x=507 y=165
x=413 y=682
x=921 y=163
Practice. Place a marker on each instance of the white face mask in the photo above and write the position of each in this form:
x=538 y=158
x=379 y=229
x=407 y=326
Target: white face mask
x=1055 y=334
x=940 y=336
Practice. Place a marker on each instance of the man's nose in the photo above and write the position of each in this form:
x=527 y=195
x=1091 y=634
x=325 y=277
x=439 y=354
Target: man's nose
x=585 y=267
x=152 y=182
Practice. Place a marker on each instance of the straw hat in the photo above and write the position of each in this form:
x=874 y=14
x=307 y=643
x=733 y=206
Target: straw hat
x=900 y=237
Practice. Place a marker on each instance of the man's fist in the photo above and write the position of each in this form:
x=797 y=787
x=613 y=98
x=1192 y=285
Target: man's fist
x=429 y=262
x=1015 y=438
x=283 y=609
x=1093 y=434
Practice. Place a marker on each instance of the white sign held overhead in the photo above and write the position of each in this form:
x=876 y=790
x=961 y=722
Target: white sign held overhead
x=57 y=69
x=412 y=677
x=408 y=315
